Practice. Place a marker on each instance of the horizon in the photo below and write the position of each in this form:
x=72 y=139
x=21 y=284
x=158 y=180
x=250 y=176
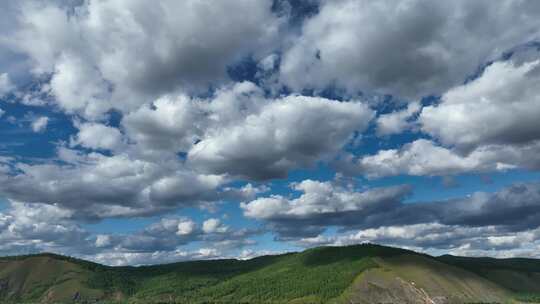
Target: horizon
x=135 y=133
x=259 y=256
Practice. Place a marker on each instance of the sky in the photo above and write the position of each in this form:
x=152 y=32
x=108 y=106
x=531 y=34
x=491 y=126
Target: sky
x=140 y=133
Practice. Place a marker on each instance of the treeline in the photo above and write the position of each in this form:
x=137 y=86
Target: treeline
x=310 y=277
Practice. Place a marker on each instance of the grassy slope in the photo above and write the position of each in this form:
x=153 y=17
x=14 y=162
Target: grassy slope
x=429 y=278
x=42 y=277
x=320 y=275
x=518 y=275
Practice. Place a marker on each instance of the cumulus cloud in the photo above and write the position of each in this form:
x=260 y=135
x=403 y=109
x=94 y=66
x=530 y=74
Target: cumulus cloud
x=324 y=205
x=399 y=121
x=38 y=227
x=506 y=93
x=79 y=88
x=241 y=132
x=321 y=198
x=321 y=204
x=171 y=233
x=487 y=124
x=184 y=186
x=287 y=133
x=214 y=225
x=115 y=258
x=103 y=240
x=97 y=64
x=160 y=236
x=169 y=124
x=186 y=227
x=424 y=157
x=98 y=136
x=33 y=227
x=159 y=126
x=137 y=167
x=409 y=49
x=40 y=124
x=96 y=185
x=5 y=84
x=175 y=123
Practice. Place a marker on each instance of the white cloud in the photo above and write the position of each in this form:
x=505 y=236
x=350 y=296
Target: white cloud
x=177 y=145
x=397 y=122
x=409 y=49
x=97 y=136
x=5 y=84
x=268 y=63
x=278 y=135
x=184 y=186
x=323 y=204
x=208 y=253
x=96 y=186
x=78 y=87
x=321 y=198
x=424 y=157
x=186 y=227
x=164 y=240
x=502 y=106
x=214 y=225
x=123 y=258
x=38 y=227
x=103 y=240
x=100 y=63
x=248 y=254
x=435 y=238
x=239 y=129
x=169 y=124
x=40 y=124
x=487 y=124
x=240 y=132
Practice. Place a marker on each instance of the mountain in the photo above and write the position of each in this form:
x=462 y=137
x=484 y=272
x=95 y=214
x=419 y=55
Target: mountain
x=353 y=274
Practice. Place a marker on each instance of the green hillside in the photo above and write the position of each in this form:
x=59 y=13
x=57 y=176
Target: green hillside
x=352 y=274
x=520 y=276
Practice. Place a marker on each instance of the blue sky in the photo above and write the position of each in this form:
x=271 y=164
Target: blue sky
x=155 y=138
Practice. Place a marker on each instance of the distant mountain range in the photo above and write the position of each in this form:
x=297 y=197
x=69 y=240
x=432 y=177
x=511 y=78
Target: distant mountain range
x=353 y=274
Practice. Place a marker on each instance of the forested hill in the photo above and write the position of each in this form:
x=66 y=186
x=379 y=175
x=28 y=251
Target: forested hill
x=353 y=274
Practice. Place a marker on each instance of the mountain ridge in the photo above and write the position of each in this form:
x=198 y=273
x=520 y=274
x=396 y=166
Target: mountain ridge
x=365 y=273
